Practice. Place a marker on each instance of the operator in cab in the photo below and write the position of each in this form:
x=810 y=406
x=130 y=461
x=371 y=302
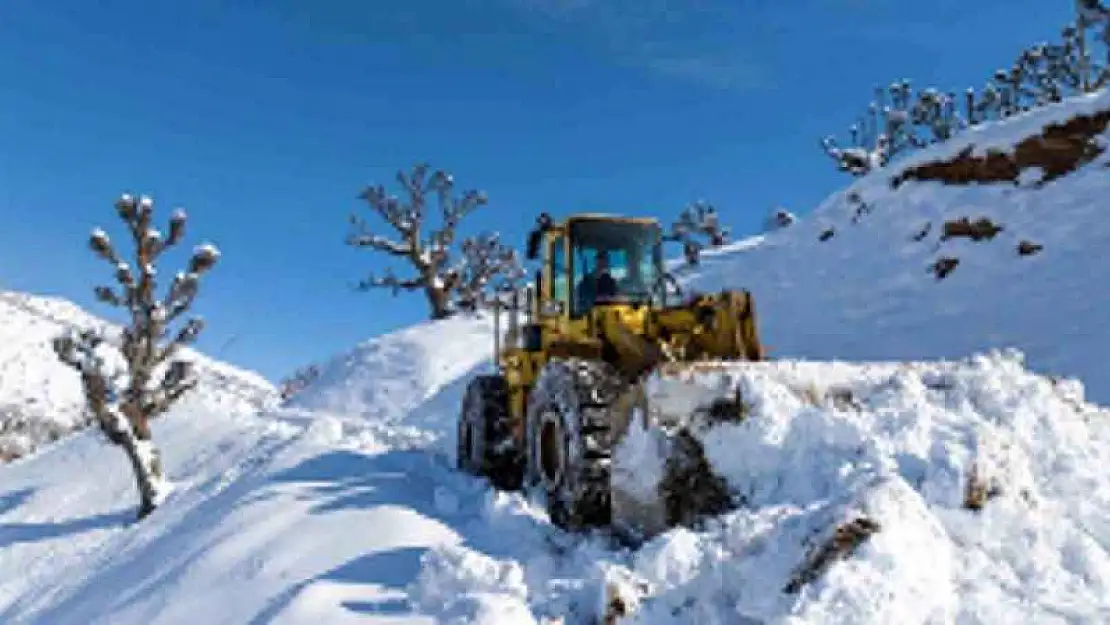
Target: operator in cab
x=599 y=283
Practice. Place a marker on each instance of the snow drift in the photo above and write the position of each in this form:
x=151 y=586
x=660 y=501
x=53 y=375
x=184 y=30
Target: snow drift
x=979 y=485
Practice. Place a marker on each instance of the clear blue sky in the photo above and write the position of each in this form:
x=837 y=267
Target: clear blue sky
x=265 y=119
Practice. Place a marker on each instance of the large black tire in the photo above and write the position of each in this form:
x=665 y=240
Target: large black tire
x=485 y=442
x=568 y=443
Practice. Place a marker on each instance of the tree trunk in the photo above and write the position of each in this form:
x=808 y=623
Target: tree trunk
x=146 y=464
x=439 y=300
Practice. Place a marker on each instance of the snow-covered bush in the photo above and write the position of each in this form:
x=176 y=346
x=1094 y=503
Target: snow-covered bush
x=778 y=219
x=899 y=120
x=298 y=381
x=142 y=376
x=449 y=285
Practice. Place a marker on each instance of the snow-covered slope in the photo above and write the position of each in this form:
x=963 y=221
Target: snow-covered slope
x=40 y=398
x=388 y=380
x=867 y=292
x=298 y=517
x=287 y=517
x=342 y=506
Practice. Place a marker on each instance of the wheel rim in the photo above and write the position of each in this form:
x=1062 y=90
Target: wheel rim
x=551 y=450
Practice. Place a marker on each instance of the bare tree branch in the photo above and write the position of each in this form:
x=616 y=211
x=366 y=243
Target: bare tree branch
x=428 y=249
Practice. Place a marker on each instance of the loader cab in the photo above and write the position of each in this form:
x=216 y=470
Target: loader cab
x=602 y=260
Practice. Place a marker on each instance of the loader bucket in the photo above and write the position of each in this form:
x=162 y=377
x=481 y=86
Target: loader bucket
x=654 y=452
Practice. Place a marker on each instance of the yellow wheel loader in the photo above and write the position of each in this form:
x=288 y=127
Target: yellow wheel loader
x=602 y=314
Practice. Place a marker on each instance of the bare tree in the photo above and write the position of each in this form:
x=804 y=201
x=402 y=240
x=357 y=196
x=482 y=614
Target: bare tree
x=427 y=252
x=697 y=221
x=124 y=401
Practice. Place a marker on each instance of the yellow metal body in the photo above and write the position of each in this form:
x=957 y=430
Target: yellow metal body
x=634 y=338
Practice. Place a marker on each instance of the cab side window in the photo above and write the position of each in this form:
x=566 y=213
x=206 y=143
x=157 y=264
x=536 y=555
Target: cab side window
x=560 y=285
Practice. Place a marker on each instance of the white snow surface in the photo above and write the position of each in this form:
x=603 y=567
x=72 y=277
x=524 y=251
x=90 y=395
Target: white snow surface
x=342 y=506
x=867 y=292
x=41 y=398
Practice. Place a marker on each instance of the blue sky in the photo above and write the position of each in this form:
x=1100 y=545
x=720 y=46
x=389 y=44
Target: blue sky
x=265 y=119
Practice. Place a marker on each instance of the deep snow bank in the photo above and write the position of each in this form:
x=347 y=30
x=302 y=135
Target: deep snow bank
x=386 y=377
x=41 y=399
x=867 y=292
x=898 y=449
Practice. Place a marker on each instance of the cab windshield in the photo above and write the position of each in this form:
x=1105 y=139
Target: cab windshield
x=613 y=262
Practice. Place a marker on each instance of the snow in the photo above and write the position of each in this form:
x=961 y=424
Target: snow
x=866 y=293
x=890 y=393
x=900 y=452
x=641 y=459
x=394 y=380
x=206 y=251
x=44 y=396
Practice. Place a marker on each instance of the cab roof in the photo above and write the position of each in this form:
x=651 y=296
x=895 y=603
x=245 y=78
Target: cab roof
x=610 y=217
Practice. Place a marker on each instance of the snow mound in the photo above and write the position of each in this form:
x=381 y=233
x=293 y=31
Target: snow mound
x=41 y=399
x=981 y=487
x=867 y=291
x=387 y=378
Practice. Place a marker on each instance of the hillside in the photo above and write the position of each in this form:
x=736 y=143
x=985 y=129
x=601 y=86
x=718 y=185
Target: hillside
x=909 y=491
x=41 y=399
x=868 y=291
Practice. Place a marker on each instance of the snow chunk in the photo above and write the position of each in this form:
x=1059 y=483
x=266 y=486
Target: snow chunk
x=640 y=458
x=460 y=585
x=1030 y=176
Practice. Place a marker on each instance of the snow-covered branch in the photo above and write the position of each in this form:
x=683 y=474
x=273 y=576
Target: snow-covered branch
x=448 y=284
x=152 y=378
x=391 y=281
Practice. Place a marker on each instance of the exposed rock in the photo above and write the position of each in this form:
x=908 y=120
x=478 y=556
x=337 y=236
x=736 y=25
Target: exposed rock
x=979 y=490
x=977 y=230
x=1028 y=248
x=843 y=543
x=944 y=266
x=691 y=490
x=1060 y=149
